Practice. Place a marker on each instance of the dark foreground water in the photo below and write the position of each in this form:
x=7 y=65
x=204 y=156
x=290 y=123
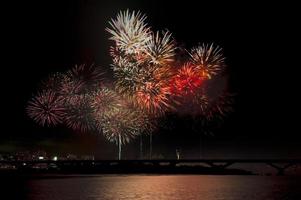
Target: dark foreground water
x=152 y=187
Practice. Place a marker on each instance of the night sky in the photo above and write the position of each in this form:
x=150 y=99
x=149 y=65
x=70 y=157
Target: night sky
x=260 y=44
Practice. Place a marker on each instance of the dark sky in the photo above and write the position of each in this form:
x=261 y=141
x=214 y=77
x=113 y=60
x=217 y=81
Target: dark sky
x=260 y=43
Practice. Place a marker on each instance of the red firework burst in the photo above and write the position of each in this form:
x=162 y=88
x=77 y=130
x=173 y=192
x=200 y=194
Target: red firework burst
x=187 y=80
x=46 y=108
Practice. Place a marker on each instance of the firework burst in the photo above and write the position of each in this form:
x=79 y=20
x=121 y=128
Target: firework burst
x=208 y=59
x=146 y=86
x=129 y=31
x=53 y=82
x=153 y=97
x=81 y=79
x=70 y=87
x=187 y=80
x=89 y=74
x=104 y=102
x=160 y=50
x=79 y=114
x=117 y=119
x=121 y=126
x=128 y=74
x=46 y=108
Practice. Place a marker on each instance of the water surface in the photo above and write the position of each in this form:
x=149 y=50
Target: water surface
x=154 y=187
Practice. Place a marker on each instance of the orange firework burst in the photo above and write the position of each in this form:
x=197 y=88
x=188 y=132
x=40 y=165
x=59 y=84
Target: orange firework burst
x=153 y=97
x=208 y=59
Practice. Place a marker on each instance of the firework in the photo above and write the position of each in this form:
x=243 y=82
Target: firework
x=104 y=102
x=160 y=50
x=189 y=90
x=141 y=62
x=220 y=107
x=208 y=59
x=53 y=82
x=145 y=85
x=116 y=118
x=195 y=105
x=122 y=124
x=121 y=127
x=46 y=108
x=129 y=31
x=89 y=74
x=71 y=86
x=81 y=79
x=128 y=74
x=79 y=113
x=153 y=97
x=186 y=81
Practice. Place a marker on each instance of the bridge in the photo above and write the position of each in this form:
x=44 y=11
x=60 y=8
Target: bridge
x=216 y=165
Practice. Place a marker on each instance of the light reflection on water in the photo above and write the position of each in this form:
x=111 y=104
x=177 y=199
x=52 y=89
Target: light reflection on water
x=159 y=187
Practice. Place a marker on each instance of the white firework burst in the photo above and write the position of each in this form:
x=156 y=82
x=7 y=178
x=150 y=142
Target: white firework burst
x=129 y=31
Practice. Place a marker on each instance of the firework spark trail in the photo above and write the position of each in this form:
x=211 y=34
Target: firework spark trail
x=129 y=31
x=208 y=59
x=46 y=108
